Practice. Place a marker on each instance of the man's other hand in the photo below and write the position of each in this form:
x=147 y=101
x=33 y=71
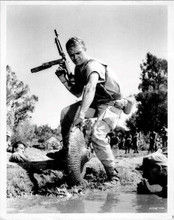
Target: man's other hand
x=60 y=71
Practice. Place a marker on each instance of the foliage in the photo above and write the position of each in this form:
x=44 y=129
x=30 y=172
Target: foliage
x=18 y=100
x=131 y=122
x=45 y=132
x=18 y=182
x=152 y=99
x=24 y=132
x=154 y=74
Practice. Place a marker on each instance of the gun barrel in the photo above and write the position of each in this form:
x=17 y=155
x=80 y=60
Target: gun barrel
x=46 y=65
x=39 y=68
x=55 y=31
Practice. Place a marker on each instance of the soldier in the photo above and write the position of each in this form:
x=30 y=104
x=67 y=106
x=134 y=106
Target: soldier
x=155 y=170
x=153 y=137
x=135 y=142
x=18 y=155
x=101 y=91
x=128 y=143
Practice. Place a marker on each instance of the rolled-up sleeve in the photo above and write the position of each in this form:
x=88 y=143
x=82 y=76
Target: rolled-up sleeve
x=95 y=66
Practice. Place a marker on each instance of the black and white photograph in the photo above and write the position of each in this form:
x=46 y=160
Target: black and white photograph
x=86 y=110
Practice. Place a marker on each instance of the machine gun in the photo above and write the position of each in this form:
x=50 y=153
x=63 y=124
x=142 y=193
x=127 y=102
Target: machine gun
x=62 y=62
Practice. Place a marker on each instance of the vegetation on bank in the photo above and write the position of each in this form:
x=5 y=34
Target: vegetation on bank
x=47 y=177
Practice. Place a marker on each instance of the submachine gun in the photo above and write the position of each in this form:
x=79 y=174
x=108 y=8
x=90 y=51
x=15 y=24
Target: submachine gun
x=61 y=62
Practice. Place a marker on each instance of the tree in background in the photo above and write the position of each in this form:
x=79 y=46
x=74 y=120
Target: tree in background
x=45 y=137
x=44 y=132
x=152 y=99
x=19 y=102
x=24 y=132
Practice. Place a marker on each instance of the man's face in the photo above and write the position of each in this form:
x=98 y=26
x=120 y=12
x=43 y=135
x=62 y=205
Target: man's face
x=77 y=54
x=20 y=148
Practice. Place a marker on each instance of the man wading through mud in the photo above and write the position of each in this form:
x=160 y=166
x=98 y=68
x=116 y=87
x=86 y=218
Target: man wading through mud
x=100 y=90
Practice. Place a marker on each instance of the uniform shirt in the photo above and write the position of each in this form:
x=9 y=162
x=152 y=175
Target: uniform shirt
x=107 y=88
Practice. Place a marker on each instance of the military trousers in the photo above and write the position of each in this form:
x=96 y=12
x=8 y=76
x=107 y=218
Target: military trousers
x=107 y=119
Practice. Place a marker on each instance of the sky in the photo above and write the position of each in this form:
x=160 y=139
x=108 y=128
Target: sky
x=119 y=35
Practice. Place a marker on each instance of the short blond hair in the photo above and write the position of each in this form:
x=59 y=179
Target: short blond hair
x=75 y=41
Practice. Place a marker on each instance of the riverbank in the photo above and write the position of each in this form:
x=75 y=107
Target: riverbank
x=45 y=176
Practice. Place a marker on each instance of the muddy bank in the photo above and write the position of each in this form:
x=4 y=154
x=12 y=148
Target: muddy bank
x=44 y=176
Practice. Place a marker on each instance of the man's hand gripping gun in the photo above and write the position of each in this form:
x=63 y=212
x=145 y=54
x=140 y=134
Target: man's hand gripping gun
x=63 y=71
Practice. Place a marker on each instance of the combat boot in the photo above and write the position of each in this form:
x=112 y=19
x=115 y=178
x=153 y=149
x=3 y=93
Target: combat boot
x=113 y=178
x=61 y=154
x=58 y=155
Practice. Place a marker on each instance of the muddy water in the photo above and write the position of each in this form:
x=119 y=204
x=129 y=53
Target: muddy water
x=92 y=202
